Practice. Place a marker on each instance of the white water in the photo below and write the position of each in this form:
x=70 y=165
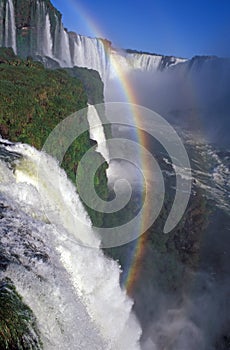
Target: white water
x=47 y=44
x=94 y=307
x=7 y=19
x=97 y=132
x=90 y=53
x=39 y=28
x=149 y=62
x=65 y=48
x=71 y=49
x=144 y=62
x=44 y=38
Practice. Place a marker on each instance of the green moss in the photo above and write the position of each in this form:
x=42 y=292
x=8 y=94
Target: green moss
x=18 y=328
x=91 y=81
x=33 y=100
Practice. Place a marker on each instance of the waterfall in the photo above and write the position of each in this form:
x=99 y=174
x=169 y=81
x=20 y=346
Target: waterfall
x=56 y=44
x=40 y=27
x=97 y=132
x=1 y=24
x=7 y=19
x=48 y=45
x=65 y=57
x=150 y=62
x=71 y=49
x=144 y=62
x=74 y=290
x=90 y=53
x=61 y=45
x=10 y=28
x=44 y=39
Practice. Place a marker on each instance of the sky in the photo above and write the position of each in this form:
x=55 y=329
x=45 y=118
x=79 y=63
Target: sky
x=170 y=27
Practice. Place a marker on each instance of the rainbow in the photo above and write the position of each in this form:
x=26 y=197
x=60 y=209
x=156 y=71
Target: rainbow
x=134 y=261
x=133 y=266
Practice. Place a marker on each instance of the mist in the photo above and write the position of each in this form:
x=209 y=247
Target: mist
x=193 y=96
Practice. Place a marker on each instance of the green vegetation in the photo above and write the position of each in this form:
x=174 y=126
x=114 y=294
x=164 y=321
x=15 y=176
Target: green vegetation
x=91 y=82
x=18 y=329
x=33 y=100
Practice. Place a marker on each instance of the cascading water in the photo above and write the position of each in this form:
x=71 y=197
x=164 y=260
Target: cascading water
x=97 y=132
x=1 y=24
x=65 y=48
x=10 y=29
x=72 y=289
x=71 y=49
x=61 y=45
x=39 y=25
x=47 y=48
x=90 y=53
x=56 y=41
x=7 y=25
x=144 y=62
x=149 y=62
x=44 y=39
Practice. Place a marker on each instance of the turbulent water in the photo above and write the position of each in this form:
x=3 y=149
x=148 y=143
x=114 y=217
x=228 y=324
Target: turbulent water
x=195 y=316
x=200 y=319
x=72 y=289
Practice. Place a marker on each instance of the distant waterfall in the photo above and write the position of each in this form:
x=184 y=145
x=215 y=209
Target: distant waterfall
x=149 y=62
x=90 y=53
x=70 y=49
x=10 y=29
x=56 y=39
x=61 y=45
x=144 y=62
x=65 y=48
x=48 y=45
x=44 y=39
x=1 y=24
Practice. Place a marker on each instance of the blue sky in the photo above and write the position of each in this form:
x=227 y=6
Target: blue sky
x=171 y=27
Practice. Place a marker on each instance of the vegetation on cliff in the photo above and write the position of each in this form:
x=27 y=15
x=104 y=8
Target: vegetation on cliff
x=33 y=100
x=91 y=81
x=18 y=328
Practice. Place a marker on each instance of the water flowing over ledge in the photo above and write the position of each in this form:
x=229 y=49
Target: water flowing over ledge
x=45 y=36
x=73 y=290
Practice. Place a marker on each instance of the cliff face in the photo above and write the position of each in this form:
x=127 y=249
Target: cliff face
x=39 y=29
x=7 y=24
x=36 y=25
x=34 y=28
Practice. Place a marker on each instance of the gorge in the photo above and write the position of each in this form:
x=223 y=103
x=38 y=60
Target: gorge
x=72 y=296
